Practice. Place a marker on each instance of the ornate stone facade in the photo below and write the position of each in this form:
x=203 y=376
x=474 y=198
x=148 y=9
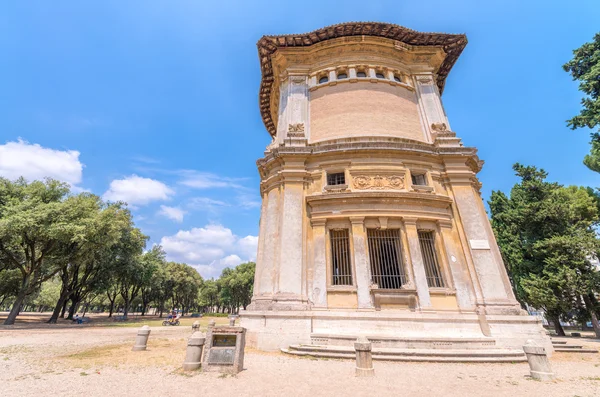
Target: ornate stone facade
x=372 y=221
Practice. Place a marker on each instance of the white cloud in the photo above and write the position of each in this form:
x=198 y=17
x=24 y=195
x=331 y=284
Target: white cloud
x=35 y=162
x=173 y=213
x=206 y=203
x=210 y=249
x=206 y=180
x=136 y=190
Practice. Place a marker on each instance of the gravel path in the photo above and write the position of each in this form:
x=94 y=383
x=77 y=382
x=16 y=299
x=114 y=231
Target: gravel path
x=97 y=361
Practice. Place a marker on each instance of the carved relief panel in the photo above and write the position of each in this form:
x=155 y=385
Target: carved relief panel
x=373 y=180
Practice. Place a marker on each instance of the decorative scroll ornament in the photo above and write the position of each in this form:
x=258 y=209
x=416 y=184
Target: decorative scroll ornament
x=425 y=80
x=440 y=127
x=378 y=182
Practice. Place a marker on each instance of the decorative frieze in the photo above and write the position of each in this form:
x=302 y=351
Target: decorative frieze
x=378 y=182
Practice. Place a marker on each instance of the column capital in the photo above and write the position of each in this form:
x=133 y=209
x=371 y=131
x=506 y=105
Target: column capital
x=357 y=220
x=318 y=222
x=410 y=221
x=445 y=223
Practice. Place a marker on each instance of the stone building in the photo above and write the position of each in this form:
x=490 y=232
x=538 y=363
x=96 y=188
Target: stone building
x=372 y=222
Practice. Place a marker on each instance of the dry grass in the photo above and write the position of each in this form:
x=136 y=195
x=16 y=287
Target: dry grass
x=160 y=353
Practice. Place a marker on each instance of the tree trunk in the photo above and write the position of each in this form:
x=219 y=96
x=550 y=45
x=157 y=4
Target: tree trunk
x=111 y=309
x=591 y=309
x=57 y=309
x=557 y=327
x=125 y=309
x=64 y=308
x=14 y=312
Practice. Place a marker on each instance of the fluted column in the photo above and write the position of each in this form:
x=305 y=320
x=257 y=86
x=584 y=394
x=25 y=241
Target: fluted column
x=361 y=263
x=418 y=266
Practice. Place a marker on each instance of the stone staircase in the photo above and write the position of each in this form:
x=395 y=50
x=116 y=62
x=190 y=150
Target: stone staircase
x=564 y=347
x=410 y=349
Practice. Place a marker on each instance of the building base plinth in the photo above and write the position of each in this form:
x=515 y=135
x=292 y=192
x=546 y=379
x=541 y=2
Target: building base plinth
x=274 y=330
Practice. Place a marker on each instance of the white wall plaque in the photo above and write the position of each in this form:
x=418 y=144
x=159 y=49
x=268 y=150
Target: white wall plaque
x=479 y=244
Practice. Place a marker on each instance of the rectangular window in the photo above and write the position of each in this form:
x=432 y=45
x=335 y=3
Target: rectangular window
x=340 y=257
x=430 y=259
x=339 y=178
x=419 y=179
x=385 y=255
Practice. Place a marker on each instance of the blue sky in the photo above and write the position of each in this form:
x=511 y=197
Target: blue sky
x=157 y=101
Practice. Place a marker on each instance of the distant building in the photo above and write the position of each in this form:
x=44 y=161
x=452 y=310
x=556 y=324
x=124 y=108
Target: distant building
x=372 y=222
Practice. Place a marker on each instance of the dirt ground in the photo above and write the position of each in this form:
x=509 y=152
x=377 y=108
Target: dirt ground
x=96 y=360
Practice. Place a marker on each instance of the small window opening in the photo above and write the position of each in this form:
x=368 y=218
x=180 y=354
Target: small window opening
x=379 y=75
x=342 y=76
x=397 y=78
x=339 y=178
x=419 y=179
x=323 y=79
x=341 y=268
x=432 y=266
x=361 y=74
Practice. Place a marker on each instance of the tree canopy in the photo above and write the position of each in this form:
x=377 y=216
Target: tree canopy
x=546 y=234
x=61 y=250
x=585 y=68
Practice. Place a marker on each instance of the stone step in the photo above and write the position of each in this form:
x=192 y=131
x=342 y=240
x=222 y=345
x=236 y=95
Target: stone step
x=559 y=342
x=568 y=346
x=412 y=355
x=578 y=350
x=406 y=342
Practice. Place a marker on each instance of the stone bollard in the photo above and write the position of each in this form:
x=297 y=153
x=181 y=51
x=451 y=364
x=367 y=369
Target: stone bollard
x=211 y=323
x=232 y=320
x=196 y=326
x=364 y=359
x=142 y=338
x=539 y=365
x=193 y=353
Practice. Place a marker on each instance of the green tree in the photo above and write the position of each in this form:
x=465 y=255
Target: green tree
x=585 y=68
x=546 y=234
x=38 y=221
x=152 y=290
x=89 y=258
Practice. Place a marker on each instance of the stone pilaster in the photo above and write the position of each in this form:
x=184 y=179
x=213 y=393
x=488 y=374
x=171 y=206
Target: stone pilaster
x=418 y=266
x=293 y=107
x=496 y=291
x=430 y=103
x=319 y=286
x=267 y=270
x=290 y=274
x=361 y=263
x=457 y=266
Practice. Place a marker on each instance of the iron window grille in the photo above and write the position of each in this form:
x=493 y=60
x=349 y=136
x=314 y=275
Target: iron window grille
x=341 y=268
x=339 y=178
x=385 y=255
x=430 y=259
x=419 y=179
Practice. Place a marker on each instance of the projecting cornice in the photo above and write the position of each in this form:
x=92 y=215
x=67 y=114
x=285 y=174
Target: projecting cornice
x=452 y=44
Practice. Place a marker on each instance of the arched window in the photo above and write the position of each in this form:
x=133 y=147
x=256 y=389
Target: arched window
x=342 y=75
x=323 y=79
x=379 y=75
x=397 y=78
x=361 y=74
